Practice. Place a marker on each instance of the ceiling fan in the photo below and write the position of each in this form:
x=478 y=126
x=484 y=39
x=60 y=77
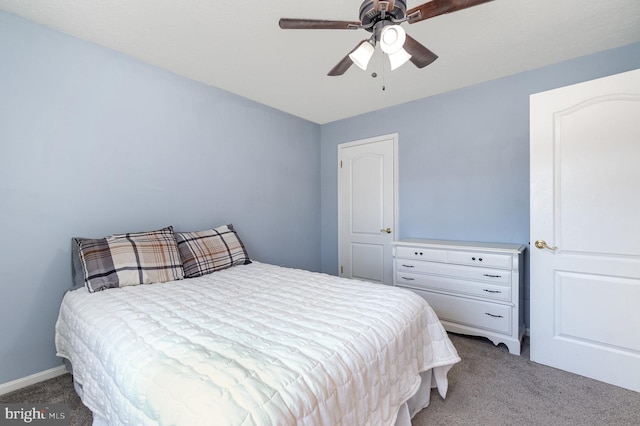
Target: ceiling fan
x=383 y=19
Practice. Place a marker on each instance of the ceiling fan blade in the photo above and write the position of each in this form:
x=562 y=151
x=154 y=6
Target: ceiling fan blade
x=439 y=7
x=345 y=63
x=420 y=55
x=317 y=24
x=341 y=67
x=390 y=4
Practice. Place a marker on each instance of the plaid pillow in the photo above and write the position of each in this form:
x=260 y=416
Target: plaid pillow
x=129 y=259
x=208 y=251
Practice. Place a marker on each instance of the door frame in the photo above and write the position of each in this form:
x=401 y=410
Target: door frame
x=394 y=140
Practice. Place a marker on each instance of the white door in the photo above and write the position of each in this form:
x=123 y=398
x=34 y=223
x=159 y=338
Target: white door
x=367 y=225
x=585 y=229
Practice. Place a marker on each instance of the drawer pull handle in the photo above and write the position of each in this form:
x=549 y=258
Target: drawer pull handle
x=492 y=276
x=408 y=266
x=494 y=316
x=492 y=291
x=408 y=279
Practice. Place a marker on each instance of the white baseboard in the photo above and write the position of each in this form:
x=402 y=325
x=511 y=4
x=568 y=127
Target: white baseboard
x=32 y=379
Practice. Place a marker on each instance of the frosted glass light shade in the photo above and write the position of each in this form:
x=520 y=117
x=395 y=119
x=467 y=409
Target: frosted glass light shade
x=392 y=38
x=399 y=58
x=362 y=55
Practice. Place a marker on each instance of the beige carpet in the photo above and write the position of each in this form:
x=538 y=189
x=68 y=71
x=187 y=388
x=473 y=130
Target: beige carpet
x=489 y=387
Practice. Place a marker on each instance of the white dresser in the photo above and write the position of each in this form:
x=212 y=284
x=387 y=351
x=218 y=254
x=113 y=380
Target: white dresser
x=474 y=288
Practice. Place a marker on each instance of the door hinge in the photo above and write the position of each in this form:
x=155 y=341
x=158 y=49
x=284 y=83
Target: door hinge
x=341 y=270
x=340 y=163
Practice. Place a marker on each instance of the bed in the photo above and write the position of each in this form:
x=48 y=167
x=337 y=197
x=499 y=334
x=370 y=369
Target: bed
x=248 y=344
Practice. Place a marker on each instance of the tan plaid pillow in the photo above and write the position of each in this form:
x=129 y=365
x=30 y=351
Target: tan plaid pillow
x=130 y=259
x=208 y=251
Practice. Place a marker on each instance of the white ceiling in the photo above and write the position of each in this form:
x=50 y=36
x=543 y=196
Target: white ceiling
x=238 y=46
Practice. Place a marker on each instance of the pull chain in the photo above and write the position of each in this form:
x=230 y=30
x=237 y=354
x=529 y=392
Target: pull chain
x=375 y=75
x=384 y=85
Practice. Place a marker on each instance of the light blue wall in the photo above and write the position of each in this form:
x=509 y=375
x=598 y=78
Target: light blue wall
x=93 y=142
x=463 y=155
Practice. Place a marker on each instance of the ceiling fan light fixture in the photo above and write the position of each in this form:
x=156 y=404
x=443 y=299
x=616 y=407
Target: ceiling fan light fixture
x=383 y=20
x=398 y=58
x=392 y=38
x=362 y=54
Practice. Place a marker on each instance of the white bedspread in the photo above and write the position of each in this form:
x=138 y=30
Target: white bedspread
x=253 y=344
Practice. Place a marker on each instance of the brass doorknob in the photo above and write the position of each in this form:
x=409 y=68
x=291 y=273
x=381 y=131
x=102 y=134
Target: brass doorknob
x=542 y=244
x=388 y=230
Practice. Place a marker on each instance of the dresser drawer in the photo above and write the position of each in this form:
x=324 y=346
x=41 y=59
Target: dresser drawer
x=418 y=253
x=469 y=288
x=475 y=313
x=495 y=276
x=486 y=260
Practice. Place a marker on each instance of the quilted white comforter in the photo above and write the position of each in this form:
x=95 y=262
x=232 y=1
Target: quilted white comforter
x=253 y=344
